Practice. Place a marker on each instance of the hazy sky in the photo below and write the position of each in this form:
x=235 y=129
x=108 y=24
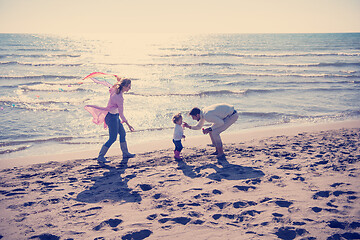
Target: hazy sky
x=184 y=16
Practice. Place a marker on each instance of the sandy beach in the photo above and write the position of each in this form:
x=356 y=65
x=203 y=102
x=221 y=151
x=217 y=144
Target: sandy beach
x=276 y=183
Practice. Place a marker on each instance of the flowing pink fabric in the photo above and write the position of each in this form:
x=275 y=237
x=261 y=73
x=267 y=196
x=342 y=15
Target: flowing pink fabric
x=116 y=101
x=101 y=78
x=98 y=114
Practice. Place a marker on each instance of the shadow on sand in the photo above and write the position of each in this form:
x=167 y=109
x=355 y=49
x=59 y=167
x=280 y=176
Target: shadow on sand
x=111 y=186
x=224 y=170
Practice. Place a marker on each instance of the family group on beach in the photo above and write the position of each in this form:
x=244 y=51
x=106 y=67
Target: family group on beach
x=222 y=116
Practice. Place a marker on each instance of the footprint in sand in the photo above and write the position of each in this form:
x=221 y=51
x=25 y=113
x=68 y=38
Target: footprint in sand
x=139 y=235
x=338 y=193
x=347 y=235
x=253 y=181
x=343 y=225
x=278 y=215
x=202 y=195
x=237 y=218
x=316 y=209
x=198 y=222
x=273 y=177
x=290 y=166
x=215 y=191
x=179 y=220
x=110 y=222
x=206 y=195
x=145 y=187
x=188 y=204
x=244 y=188
x=288 y=233
x=324 y=194
x=222 y=205
x=152 y=217
x=45 y=236
x=282 y=203
x=157 y=196
x=298 y=178
x=243 y=204
x=334 y=185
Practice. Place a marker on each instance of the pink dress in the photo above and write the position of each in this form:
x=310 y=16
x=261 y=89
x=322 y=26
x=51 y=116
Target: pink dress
x=115 y=105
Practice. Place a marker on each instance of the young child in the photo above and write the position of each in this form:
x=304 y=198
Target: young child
x=178 y=135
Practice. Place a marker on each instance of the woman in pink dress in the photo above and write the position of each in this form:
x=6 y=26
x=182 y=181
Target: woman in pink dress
x=111 y=115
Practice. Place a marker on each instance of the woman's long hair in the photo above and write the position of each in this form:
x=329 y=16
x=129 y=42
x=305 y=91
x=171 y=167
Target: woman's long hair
x=122 y=82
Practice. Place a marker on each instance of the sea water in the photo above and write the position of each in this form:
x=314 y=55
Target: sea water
x=271 y=79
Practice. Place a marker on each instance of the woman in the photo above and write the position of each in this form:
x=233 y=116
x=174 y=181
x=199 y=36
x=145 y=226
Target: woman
x=110 y=117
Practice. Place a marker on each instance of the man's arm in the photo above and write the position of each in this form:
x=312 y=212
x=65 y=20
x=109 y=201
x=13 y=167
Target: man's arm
x=197 y=126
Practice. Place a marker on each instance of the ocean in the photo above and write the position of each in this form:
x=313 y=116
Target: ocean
x=271 y=79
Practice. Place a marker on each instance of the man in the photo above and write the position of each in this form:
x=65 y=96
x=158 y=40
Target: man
x=222 y=116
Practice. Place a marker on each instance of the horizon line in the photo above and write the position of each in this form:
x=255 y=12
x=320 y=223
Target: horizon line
x=107 y=33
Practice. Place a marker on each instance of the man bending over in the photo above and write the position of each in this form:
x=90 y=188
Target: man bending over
x=222 y=116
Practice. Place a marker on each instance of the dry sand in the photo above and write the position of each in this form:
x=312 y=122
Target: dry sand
x=281 y=183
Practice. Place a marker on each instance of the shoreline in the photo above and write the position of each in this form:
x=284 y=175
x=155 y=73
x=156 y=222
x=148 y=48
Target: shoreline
x=245 y=135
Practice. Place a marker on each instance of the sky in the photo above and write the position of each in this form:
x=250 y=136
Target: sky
x=185 y=16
